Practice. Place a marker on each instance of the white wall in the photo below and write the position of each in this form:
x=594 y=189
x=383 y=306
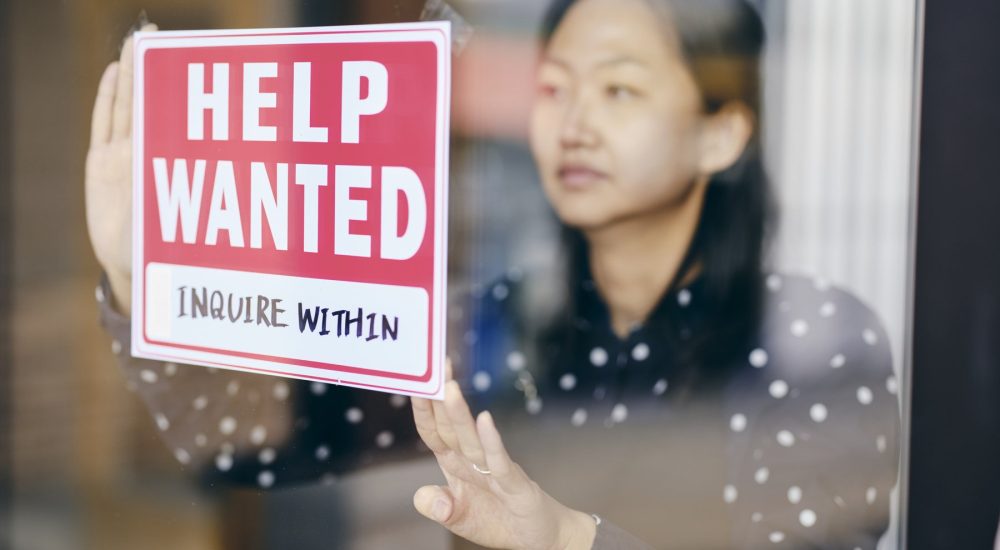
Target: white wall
x=838 y=123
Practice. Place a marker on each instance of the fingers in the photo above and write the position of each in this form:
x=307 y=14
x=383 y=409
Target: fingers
x=100 y=123
x=121 y=118
x=423 y=417
x=463 y=424
x=443 y=425
x=449 y=425
x=434 y=503
x=507 y=474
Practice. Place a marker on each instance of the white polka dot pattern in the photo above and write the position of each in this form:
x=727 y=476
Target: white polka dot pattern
x=515 y=361
x=500 y=292
x=533 y=406
x=870 y=337
x=773 y=283
x=785 y=438
x=828 y=309
x=481 y=381
x=778 y=389
x=280 y=391
x=398 y=401
x=354 y=415
x=738 y=422
x=619 y=413
x=266 y=455
x=761 y=475
x=640 y=352
x=162 y=422
x=322 y=452
x=865 y=396
x=778 y=415
x=258 y=434
x=227 y=425
x=598 y=357
x=818 y=412
x=384 y=439
x=265 y=479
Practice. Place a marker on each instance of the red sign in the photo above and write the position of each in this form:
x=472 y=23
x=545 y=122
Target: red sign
x=291 y=201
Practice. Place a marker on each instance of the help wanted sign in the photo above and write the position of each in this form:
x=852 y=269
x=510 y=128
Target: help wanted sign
x=290 y=202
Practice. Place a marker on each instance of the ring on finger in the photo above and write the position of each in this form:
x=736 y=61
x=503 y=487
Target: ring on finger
x=484 y=471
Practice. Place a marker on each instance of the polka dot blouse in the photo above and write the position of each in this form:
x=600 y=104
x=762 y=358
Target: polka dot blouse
x=792 y=444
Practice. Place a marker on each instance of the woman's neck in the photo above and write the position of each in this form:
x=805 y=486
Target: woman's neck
x=634 y=261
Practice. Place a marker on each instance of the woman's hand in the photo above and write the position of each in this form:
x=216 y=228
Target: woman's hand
x=109 y=175
x=501 y=508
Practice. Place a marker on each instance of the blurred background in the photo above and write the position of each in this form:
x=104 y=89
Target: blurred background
x=86 y=468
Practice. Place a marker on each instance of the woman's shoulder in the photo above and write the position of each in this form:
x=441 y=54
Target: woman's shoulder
x=516 y=296
x=812 y=329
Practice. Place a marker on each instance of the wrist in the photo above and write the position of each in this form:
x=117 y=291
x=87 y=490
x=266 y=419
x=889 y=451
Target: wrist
x=577 y=531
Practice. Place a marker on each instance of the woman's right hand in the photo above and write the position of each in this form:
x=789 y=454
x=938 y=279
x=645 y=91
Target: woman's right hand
x=109 y=175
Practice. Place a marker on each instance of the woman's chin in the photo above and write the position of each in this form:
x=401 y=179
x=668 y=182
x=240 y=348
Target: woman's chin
x=583 y=219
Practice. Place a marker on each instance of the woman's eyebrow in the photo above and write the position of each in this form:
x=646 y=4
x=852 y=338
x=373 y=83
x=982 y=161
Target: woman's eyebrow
x=621 y=60
x=549 y=60
x=602 y=64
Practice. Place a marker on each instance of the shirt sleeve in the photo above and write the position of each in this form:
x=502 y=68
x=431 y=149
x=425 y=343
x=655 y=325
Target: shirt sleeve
x=257 y=430
x=815 y=431
x=611 y=537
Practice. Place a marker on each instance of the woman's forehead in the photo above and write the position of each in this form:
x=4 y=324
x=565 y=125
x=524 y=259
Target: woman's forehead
x=608 y=33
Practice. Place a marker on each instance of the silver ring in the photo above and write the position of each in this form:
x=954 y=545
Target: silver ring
x=484 y=471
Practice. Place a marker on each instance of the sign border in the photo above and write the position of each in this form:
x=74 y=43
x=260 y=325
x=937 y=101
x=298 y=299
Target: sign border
x=436 y=32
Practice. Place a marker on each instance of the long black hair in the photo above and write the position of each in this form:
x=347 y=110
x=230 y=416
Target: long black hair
x=721 y=42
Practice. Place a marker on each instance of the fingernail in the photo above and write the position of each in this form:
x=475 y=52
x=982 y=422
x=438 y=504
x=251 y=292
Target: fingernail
x=140 y=22
x=440 y=509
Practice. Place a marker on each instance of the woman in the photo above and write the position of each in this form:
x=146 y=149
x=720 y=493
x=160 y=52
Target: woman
x=675 y=390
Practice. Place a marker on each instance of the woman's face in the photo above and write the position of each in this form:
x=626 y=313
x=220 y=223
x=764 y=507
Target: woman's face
x=615 y=126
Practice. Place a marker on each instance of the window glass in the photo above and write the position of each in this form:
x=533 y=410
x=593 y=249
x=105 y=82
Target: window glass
x=679 y=273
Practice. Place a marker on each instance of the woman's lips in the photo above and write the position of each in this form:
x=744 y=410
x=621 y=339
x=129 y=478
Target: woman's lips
x=578 y=176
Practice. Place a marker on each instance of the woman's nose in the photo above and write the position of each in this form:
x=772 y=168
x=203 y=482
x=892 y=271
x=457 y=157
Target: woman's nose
x=577 y=126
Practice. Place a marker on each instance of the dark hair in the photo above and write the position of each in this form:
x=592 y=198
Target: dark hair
x=721 y=41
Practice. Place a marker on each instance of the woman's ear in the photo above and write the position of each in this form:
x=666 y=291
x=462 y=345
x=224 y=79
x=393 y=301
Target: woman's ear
x=724 y=135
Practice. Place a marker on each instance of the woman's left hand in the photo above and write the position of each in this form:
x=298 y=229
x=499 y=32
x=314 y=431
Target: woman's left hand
x=498 y=506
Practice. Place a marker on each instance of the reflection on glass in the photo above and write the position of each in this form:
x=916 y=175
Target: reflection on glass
x=616 y=304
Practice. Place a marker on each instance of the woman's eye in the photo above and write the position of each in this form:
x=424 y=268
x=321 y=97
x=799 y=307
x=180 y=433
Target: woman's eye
x=550 y=90
x=619 y=92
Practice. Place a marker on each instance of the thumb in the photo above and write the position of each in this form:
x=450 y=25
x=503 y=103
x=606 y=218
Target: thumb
x=434 y=503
